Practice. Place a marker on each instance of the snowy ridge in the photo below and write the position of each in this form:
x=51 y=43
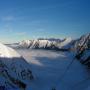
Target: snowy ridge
x=82 y=47
x=65 y=43
x=14 y=70
x=83 y=41
x=46 y=44
x=7 y=52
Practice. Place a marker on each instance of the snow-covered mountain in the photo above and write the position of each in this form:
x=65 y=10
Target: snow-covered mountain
x=47 y=66
x=83 y=42
x=14 y=70
x=54 y=44
x=82 y=48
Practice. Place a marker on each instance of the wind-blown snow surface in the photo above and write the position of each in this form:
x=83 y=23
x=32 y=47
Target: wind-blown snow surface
x=49 y=67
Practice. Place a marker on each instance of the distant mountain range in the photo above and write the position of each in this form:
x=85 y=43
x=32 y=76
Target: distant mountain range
x=79 y=46
x=50 y=44
x=15 y=70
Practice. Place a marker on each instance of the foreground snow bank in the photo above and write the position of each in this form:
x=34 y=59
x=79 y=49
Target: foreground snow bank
x=14 y=70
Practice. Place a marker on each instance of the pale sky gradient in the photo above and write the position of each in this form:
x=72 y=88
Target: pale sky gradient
x=28 y=19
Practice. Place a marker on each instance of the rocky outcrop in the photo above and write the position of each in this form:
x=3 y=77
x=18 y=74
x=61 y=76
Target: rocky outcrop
x=82 y=47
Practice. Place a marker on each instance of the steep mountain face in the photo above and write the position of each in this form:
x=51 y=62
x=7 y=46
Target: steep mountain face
x=47 y=44
x=82 y=47
x=83 y=42
x=14 y=70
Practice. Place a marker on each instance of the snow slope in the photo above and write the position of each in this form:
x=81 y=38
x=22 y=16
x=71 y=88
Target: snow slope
x=49 y=67
x=14 y=70
x=7 y=52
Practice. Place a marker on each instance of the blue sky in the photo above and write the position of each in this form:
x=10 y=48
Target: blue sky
x=29 y=19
